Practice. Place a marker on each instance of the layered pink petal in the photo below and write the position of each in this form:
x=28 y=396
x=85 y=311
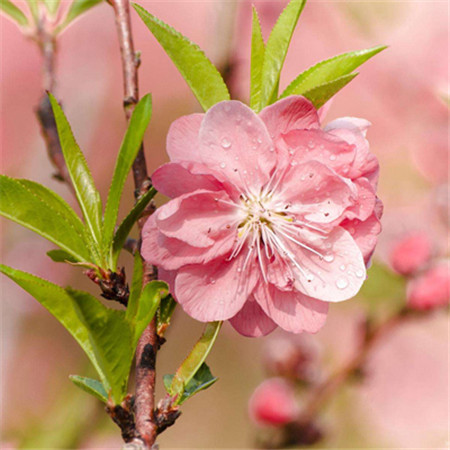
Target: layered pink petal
x=334 y=271
x=182 y=138
x=198 y=218
x=175 y=179
x=316 y=145
x=280 y=274
x=365 y=234
x=171 y=254
x=235 y=142
x=292 y=311
x=252 y=321
x=291 y=113
x=365 y=201
x=350 y=123
x=215 y=291
x=314 y=192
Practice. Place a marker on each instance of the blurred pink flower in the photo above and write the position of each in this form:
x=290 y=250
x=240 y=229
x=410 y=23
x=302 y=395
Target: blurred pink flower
x=271 y=216
x=431 y=289
x=273 y=403
x=411 y=253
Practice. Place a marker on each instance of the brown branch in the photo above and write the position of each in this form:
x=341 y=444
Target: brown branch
x=47 y=44
x=146 y=424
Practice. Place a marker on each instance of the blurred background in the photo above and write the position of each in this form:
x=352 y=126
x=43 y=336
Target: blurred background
x=402 y=400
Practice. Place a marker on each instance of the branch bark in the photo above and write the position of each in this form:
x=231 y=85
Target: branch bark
x=146 y=426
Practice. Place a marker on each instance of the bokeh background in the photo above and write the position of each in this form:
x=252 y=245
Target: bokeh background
x=403 y=401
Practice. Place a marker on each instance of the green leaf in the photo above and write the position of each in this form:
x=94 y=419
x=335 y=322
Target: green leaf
x=93 y=387
x=165 y=312
x=257 y=60
x=61 y=305
x=35 y=207
x=148 y=303
x=195 y=359
x=111 y=336
x=127 y=154
x=77 y=8
x=86 y=192
x=329 y=70
x=13 y=12
x=61 y=256
x=200 y=74
x=136 y=286
x=322 y=93
x=52 y=6
x=125 y=227
x=276 y=50
x=202 y=380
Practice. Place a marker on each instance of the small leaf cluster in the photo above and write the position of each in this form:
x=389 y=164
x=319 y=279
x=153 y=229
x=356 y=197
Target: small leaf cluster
x=318 y=83
x=107 y=336
x=50 y=9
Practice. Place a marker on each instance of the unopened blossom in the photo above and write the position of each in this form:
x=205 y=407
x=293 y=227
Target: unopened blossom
x=411 y=253
x=273 y=403
x=271 y=217
x=431 y=289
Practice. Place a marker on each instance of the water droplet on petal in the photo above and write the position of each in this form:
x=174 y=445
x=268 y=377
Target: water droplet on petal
x=310 y=144
x=333 y=157
x=309 y=277
x=342 y=283
x=352 y=231
x=329 y=258
x=303 y=178
x=212 y=281
x=359 y=273
x=342 y=267
x=223 y=165
x=239 y=269
x=226 y=144
x=259 y=140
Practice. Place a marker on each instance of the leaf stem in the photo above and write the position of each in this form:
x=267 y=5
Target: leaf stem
x=146 y=427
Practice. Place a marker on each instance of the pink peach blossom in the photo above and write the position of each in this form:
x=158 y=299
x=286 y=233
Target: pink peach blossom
x=273 y=403
x=411 y=253
x=271 y=217
x=431 y=289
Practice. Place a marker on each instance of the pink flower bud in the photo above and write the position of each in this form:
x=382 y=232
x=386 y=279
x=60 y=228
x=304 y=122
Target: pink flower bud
x=273 y=403
x=411 y=253
x=431 y=289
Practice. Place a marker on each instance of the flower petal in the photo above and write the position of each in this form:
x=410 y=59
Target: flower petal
x=291 y=113
x=332 y=269
x=234 y=141
x=351 y=123
x=365 y=203
x=215 y=291
x=198 y=218
x=171 y=254
x=175 y=179
x=292 y=311
x=182 y=138
x=252 y=321
x=314 y=192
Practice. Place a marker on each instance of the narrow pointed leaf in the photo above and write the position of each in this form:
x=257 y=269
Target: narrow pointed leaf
x=165 y=312
x=13 y=12
x=195 y=359
x=112 y=340
x=125 y=227
x=86 y=192
x=77 y=8
x=200 y=74
x=136 y=287
x=93 y=387
x=35 y=207
x=257 y=61
x=276 y=50
x=61 y=256
x=148 y=303
x=322 y=93
x=202 y=380
x=52 y=6
x=61 y=305
x=329 y=70
x=127 y=154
